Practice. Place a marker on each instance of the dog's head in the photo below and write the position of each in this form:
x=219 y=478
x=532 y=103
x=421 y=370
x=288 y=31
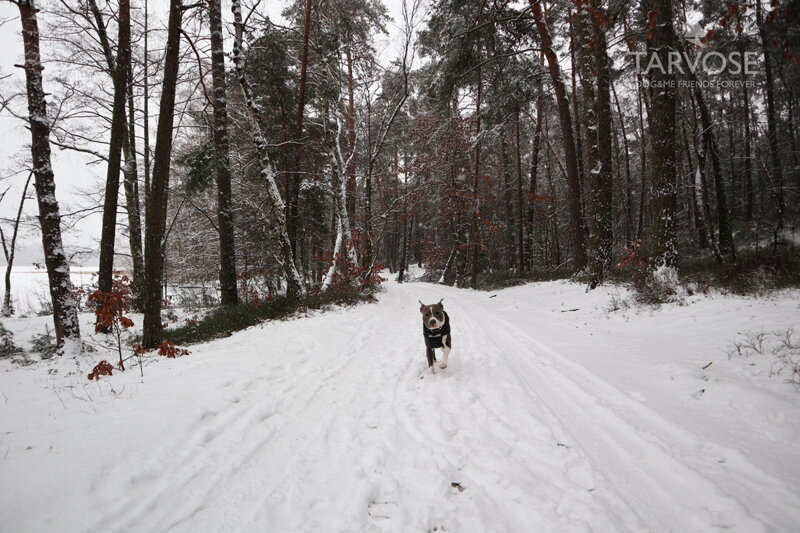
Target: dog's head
x=432 y=314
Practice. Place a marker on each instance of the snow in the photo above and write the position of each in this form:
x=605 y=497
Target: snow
x=554 y=414
x=30 y=289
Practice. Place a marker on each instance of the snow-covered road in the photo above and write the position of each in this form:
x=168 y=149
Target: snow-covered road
x=552 y=416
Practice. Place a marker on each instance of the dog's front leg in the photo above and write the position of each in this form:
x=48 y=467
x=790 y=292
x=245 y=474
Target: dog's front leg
x=431 y=355
x=446 y=344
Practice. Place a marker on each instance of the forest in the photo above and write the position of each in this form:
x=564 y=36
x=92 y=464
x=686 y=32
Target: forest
x=224 y=222
x=284 y=157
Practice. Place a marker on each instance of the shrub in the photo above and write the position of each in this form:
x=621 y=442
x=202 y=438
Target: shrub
x=44 y=344
x=751 y=273
x=780 y=345
x=657 y=287
x=110 y=312
x=7 y=346
x=223 y=321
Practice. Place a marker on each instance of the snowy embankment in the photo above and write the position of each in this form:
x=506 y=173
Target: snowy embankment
x=554 y=415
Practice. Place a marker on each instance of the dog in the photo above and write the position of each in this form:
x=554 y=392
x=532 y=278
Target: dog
x=436 y=331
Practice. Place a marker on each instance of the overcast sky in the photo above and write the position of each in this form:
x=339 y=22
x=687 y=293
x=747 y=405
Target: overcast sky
x=74 y=176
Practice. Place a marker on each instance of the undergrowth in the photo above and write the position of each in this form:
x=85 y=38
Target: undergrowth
x=750 y=273
x=7 y=346
x=223 y=321
x=502 y=279
x=782 y=348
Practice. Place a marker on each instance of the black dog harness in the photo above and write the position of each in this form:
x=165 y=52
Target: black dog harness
x=434 y=336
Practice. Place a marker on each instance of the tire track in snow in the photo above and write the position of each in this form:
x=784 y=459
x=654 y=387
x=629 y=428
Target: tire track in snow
x=222 y=445
x=664 y=492
x=346 y=433
x=479 y=431
x=315 y=472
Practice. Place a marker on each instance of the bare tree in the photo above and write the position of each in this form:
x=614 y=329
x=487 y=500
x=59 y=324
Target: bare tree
x=157 y=201
x=222 y=168
x=65 y=313
x=10 y=246
x=118 y=132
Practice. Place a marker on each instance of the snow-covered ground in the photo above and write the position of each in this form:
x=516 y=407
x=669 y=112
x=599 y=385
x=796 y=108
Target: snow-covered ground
x=553 y=415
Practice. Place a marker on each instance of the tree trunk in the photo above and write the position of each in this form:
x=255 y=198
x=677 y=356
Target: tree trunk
x=401 y=269
x=570 y=154
x=509 y=258
x=747 y=193
x=475 y=228
x=601 y=234
x=695 y=183
x=222 y=168
x=293 y=198
x=344 y=245
x=157 y=201
x=537 y=142
x=129 y=169
x=65 y=313
x=660 y=33
x=10 y=250
x=628 y=181
x=772 y=127
x=146 y=110
x=642 y=155
x=585 y=78
x=118 y=131
x=351 y=139
x=130 y=175
x=520 y=198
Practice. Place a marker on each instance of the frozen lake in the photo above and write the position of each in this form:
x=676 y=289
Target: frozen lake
x=29 y=285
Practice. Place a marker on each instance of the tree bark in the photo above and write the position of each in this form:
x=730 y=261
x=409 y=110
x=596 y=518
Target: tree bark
x=772 y=128
x=520 y=198
x=351 y=138
x=222 y=169
x=475 y=228
x=293 y=198
x=628 y=181
x=130 y=175
x=695 y=183
x=156 y=208
x=532 y=185
x=660 y=40
x=748 y=193
x=65 y=313
x=601 y=234
x=118 y=132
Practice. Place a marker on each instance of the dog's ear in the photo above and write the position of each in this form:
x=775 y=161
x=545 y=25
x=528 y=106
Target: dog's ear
x=440 y=302
x=421 y=305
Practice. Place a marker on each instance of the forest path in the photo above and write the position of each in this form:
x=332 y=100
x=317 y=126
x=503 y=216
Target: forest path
x=350 y=432
x=331 y=422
